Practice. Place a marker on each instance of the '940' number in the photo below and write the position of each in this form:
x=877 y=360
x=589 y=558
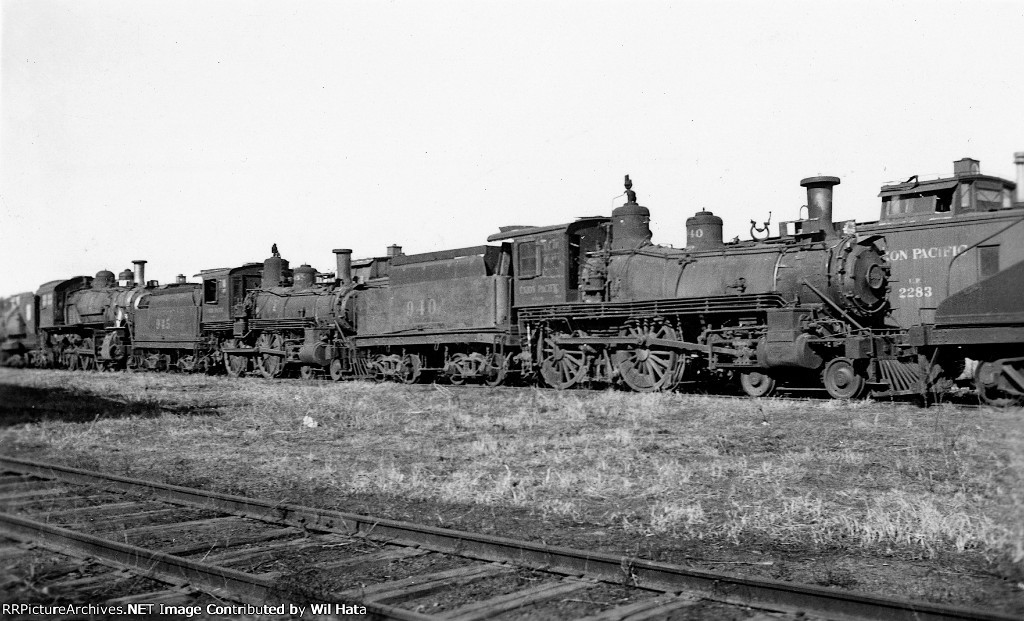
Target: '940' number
x=915 y=292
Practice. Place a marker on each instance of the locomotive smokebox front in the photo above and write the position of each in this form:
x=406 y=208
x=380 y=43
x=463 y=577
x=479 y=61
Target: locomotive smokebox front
x=704 y=231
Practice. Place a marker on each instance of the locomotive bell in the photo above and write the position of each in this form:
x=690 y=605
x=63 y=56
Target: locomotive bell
x=631 y=223
x=704 y=231
x=103 y=280
x=819 y=203
x=304 y=276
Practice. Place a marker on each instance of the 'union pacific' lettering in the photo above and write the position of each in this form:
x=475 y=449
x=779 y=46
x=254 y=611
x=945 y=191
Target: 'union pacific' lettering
x=913 y=254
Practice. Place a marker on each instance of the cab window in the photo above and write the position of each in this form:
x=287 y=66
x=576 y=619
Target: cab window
x=210 y=291
x=529 y=260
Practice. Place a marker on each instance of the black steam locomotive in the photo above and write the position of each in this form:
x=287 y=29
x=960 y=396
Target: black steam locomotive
x=589 y=302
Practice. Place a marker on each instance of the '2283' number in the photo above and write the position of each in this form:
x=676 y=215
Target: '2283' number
x=915 y=292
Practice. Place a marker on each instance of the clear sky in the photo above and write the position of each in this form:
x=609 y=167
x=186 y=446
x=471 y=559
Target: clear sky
x=196 y=134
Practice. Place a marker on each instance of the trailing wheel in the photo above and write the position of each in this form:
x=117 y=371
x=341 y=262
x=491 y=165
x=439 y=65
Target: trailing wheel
x=757 y=384
x=648 y=369
x=562 y=368
x=843 y=381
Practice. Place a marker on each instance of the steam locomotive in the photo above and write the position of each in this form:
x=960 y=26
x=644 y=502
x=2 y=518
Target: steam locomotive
x=823 y=304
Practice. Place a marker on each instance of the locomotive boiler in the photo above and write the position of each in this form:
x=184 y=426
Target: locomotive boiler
x=596 y=301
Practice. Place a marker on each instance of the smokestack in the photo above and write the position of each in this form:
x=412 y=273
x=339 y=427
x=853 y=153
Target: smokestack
x=343 y=258
x=394 y=250
x=1018 y=159
x=140 y=272
x=819 y=201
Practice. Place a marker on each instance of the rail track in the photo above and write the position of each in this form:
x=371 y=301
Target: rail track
x=126 y=543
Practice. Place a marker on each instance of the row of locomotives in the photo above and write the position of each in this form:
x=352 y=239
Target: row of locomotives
x=18 y=338
x=441 y=316
x=598 y=303
x=278 y=320
x=969 y=324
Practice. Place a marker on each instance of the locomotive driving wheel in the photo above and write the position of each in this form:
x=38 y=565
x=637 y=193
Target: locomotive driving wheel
x=843 y=381
x=562 y=368
x=235 y=365
x=757 y=384
x=647 y=369
x=87 y=362
x=270 y=365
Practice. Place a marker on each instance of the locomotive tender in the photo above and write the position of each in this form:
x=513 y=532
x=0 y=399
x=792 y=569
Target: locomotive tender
x=851 y=307
x=956 y=249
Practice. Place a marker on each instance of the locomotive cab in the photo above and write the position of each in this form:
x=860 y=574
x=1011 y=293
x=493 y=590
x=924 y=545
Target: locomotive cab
x=224 y=291
x=550 y=262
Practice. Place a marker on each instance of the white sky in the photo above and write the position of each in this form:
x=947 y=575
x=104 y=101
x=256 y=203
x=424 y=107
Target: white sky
x=196 y=134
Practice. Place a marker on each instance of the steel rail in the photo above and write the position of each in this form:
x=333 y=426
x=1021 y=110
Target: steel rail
x=228 y=583
x=718 y=586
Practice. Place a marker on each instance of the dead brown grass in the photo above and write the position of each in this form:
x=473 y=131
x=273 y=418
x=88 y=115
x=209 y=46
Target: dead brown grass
x=805 y=474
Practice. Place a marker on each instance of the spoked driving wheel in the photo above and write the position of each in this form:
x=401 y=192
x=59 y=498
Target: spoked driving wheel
x=648 y=369
x=235 y=365
x=87 y=361
x=562 y=368
x=270 y=363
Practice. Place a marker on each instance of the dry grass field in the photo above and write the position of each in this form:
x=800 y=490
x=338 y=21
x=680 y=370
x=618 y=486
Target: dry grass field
x=889 y=498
